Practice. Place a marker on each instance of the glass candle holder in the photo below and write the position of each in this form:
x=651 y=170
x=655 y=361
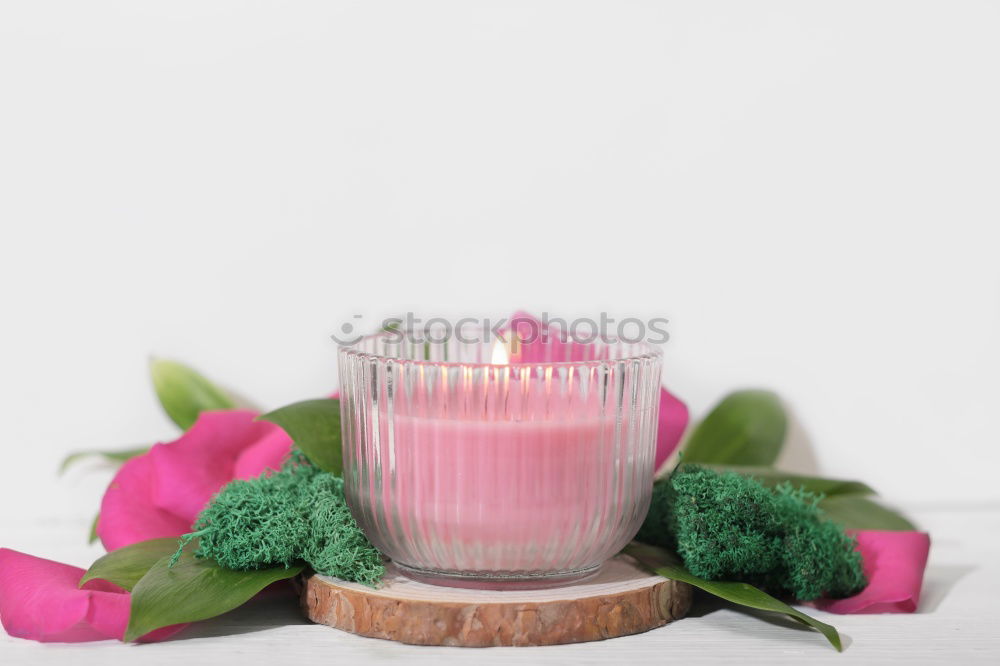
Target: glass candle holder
x=527 y=473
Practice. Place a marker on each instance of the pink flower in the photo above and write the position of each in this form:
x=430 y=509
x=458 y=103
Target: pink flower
x=548 y=344
x=157 y=494
x=161 y=493
x=40 y=600
x=894 y=565
x=673 y=422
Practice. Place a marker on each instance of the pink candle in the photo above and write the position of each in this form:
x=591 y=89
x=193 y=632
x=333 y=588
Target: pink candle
x=471 y=473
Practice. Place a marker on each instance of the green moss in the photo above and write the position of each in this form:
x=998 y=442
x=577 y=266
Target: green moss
x=293 y=515
x=335 y=546
x=729 y=527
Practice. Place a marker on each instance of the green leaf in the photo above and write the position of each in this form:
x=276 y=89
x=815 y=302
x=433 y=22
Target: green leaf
x=125 y=566
x=194 y=589
x=184 y=393
x=117 y=457
x=93 y=528
x=860 y=513
x=746 y=428
x=314 y=426
x=668 y=565
x=771 y=477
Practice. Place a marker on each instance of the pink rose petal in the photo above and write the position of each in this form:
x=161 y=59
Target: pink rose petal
x=40 y=600
x=673 y=421
x=160 y=493
x=128 y=511
x=269 y=452
x=541 y=345
x=894 y=565
x=193 y=468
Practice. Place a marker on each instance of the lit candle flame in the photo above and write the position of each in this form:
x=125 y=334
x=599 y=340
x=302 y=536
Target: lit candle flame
x=500 y=354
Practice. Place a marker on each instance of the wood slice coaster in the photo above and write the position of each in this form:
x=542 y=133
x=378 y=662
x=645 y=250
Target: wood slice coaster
x=622 y=599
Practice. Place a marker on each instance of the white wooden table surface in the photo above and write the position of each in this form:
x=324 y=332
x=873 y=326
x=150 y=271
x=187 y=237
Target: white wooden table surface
x=958 y=622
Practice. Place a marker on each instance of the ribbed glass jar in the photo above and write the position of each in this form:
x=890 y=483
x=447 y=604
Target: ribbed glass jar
x=525 y=474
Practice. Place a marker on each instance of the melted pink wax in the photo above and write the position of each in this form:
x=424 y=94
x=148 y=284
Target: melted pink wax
x=506 y=495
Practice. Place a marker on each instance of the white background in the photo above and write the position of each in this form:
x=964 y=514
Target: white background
x=808 y=191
